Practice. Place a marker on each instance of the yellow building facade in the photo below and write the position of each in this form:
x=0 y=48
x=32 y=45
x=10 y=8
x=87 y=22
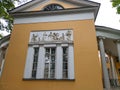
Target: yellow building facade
x=53 y=46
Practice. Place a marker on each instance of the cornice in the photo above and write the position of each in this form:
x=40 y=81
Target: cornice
x=47 y=13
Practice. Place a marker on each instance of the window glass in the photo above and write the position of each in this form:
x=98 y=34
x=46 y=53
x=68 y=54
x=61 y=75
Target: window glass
x=53 y=7
x=49 y=71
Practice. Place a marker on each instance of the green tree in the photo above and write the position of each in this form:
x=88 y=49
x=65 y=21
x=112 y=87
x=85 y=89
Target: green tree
x=116 y=4
x=5 y=6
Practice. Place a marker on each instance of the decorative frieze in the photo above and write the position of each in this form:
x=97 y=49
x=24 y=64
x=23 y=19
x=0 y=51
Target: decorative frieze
x=51 y=36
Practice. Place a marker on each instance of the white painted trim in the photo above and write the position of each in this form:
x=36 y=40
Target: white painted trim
x=59 y=62
x=35 y=46
x=2 y=65
x=64 y=45
x=50 y=45
x=54 y=18
x=108 y=34
x=29 y=63
x=71 y=62
x=41 y=63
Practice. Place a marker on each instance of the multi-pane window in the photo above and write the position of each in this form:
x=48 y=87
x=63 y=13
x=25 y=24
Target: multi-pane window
x=65 y=62
x=53 y=7
x=49 y=71
x=50 y=55
x=35 y=62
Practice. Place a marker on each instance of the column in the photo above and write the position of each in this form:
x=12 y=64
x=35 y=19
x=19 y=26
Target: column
x=103 y=61
x=114 y=73
x=41 y=63
x=70 y=61
x=59 y=62
x=29 y=63
x=118 y=48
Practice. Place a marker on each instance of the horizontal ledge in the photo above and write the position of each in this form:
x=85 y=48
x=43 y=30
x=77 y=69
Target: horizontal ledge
x=31 y=79
x=42 y=43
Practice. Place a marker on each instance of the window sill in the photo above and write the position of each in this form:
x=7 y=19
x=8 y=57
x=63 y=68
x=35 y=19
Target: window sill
x=30 y=79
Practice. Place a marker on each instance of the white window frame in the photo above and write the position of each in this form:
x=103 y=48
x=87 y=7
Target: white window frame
x=58 y=59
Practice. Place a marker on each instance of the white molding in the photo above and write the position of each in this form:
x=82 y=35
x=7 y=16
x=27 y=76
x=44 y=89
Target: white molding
x=71 y=62
x=2 y=65
x=59 y=62
x=64 y=45
x=54 y=18
x=50 y=45
x=29 y=63
x=41 y=63
x=107 y=32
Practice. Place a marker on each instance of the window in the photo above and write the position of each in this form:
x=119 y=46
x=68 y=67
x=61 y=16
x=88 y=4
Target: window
x=53 y=7
x=65 y=62
x=49 y=63
x=50 y=55
x=35 y=61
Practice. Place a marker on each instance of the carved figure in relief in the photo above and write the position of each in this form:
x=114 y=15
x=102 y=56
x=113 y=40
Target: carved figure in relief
x=68 y=34
x=55 y=36
x=50 y=36
x=62 y=37
x=39 y=39
x=34 y=38
x=44 y=36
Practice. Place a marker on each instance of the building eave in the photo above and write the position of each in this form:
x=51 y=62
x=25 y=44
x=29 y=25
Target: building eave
x=65 y=11
x=107 y=32
x=107 y=29
x=4 y=39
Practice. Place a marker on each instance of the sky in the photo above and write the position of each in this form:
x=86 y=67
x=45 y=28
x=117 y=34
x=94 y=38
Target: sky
x=107 y=15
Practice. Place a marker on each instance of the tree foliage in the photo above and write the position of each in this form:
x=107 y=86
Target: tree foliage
x=116 y=4
x=5 y=6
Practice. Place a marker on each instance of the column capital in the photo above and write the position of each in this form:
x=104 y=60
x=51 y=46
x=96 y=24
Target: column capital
x=101 y=37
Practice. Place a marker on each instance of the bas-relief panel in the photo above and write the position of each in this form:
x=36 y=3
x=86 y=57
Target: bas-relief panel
x=51 y=36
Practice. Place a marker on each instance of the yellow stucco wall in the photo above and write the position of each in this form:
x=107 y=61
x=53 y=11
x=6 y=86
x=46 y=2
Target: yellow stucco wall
x=117 y=67
x=40 y=6
x=87 y=66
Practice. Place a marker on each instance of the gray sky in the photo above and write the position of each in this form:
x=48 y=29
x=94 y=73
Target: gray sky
x=107 y=15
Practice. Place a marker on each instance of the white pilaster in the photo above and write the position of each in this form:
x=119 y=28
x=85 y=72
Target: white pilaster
x=2 y=64
x=59 y=62
x=118 y=49
x=41 y=63
x=104 y=67
x=29 y=63
x=70 y=61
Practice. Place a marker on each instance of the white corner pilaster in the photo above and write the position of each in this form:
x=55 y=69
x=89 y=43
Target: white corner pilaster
x=70 y=62
x=103 y=61
x=29 y=63
x=41 y=63
x=59 y=62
